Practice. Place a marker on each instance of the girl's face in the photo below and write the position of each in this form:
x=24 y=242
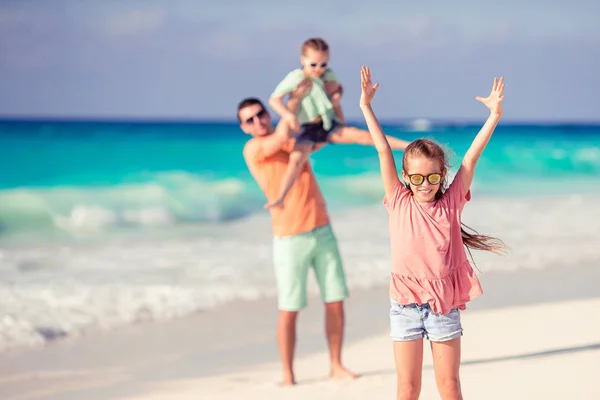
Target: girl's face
x=314 y=62
x=425 y=176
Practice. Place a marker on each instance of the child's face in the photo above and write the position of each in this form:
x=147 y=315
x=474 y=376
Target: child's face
x=314 y=62
x=419 y=173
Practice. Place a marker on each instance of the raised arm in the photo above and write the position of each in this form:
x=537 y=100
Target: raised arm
x=298 y=94
x=287 y=86
x=277 y=104
x=335 y=91
x=389 y=174
x=285 y=127
x=494 y=103
x=336 y=101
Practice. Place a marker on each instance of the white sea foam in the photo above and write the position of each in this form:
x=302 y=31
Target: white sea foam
x=66 y=288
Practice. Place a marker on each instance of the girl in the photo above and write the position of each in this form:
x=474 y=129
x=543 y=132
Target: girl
x=431 y=279
x=319 y=118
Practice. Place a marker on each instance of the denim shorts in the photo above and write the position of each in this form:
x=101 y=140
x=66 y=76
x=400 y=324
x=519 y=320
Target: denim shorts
x=413 y=321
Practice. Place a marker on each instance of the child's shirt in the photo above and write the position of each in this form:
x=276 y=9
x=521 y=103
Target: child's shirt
x=316 y=103
x=429 y=262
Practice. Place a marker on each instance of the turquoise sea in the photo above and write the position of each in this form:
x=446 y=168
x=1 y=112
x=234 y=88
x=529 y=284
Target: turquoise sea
x=105 y=223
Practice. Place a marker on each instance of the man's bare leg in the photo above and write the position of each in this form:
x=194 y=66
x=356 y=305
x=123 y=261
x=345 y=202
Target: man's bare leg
x=334 y=328
x=352 y=135
x=286 y=340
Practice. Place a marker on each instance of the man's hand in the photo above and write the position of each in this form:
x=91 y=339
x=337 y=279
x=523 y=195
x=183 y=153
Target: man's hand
x=292 y=120
x=333 y=89
x=302 y=89
x=336 y=98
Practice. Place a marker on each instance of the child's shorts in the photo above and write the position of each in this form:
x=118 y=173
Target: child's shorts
x=413 y=321
x=313 y=132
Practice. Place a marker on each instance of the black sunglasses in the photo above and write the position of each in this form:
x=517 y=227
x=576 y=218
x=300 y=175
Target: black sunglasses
x=258 y=115
x=418 y=179
x=315 y=65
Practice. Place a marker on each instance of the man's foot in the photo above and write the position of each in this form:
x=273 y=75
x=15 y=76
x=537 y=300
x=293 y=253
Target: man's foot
x=340 y=372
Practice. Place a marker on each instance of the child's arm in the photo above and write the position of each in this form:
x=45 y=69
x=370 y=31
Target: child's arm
x=494 y=103
x=286 y=86
x=276 y=103
x=282 y=134
x=389 y=174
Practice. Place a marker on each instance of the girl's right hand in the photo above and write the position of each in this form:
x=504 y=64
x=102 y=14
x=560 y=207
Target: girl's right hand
x=368 y=89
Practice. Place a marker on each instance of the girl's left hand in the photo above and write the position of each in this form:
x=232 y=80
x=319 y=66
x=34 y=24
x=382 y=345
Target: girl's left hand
x=494 y=101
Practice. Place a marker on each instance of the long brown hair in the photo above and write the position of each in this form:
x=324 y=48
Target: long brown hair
x=433 y=151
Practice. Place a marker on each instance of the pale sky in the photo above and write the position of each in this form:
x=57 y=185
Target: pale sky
x=197 y=59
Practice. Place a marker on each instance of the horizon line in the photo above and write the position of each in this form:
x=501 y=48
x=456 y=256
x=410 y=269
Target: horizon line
x=213 y=120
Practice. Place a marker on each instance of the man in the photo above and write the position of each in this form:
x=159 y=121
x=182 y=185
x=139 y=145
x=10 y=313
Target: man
x=303 y=237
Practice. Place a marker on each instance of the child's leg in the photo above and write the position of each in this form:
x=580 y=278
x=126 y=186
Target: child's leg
x=445 y=331
x=407 y=331
x=298 y=157
x=353 y=135
x=408 y=356
x=446 y=363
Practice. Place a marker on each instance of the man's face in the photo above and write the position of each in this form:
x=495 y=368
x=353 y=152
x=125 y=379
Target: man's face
x=255 y=120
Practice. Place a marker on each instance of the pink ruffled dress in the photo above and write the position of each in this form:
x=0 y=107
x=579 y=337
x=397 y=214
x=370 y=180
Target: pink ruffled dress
x=429 y=261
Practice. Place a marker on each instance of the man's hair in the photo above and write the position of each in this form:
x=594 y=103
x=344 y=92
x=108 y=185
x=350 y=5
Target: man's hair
x=248 y=101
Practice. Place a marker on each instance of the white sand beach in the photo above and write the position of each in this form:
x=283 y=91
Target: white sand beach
x=542 y=359
x=545 y=346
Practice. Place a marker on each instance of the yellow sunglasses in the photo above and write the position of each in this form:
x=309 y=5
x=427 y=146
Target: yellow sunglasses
x=418 y=179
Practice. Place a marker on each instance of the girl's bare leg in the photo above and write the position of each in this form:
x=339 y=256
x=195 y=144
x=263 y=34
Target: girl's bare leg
x=446 y=363
x=409 y=366
x=298 y=157
x=353 y=135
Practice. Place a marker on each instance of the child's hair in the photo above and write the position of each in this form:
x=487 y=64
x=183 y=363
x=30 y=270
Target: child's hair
x=316 y=44
x=431 y=150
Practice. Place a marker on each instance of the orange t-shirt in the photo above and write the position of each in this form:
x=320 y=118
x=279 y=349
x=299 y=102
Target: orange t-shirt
x=304 y=207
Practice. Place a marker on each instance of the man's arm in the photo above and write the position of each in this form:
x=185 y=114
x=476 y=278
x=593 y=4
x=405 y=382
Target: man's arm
x=336 y=100
x=277 y=140
x=334 y=91
x=265 y=147
x=280 y=138
x=287 y=116
x=298 y=94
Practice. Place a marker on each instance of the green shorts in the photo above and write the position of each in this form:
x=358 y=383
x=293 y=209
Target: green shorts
x=293 y=257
